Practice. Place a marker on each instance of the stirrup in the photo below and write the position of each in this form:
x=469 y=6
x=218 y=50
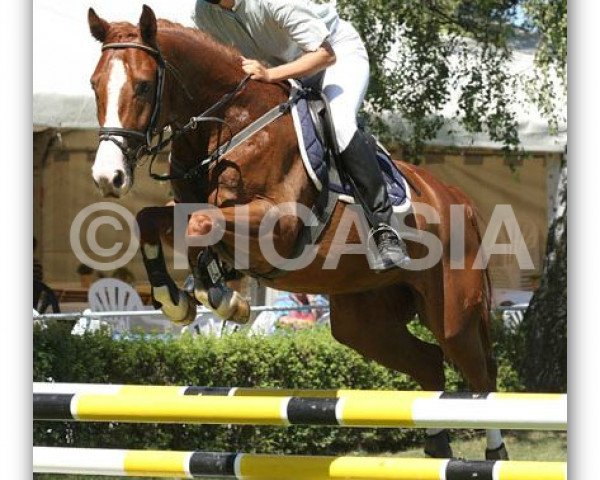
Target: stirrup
x=386 y=257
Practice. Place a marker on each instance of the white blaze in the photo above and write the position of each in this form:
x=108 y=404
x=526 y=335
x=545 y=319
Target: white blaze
x=109 y=157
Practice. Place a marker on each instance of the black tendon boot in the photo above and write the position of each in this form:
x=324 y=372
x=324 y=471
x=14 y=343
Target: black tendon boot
x=359 y=161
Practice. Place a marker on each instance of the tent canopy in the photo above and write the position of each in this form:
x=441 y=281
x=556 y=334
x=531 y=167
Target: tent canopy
x=65 y=54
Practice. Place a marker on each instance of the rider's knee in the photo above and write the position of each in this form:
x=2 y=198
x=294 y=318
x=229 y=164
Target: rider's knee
x=344 y=131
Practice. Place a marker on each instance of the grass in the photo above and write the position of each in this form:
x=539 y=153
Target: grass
x=521 y=445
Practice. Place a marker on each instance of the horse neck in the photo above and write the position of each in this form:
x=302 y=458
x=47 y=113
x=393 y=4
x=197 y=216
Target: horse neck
x=206 y=73
x=209 y=72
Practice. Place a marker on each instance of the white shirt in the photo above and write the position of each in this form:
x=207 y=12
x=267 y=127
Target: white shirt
x=273 y=31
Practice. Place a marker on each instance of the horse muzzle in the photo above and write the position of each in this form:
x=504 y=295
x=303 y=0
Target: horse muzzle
x=112 y=174
x=114 y=186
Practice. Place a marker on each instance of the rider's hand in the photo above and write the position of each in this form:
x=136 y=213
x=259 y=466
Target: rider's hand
x=256 y=70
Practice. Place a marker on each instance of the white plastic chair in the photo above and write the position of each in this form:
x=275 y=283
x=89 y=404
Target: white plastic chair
x=111 y=294
x=506 y=298
x=264 y=324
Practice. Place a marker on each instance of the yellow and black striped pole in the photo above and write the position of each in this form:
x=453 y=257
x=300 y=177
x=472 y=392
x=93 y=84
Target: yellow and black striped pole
x=250 y=466
x=342 y=407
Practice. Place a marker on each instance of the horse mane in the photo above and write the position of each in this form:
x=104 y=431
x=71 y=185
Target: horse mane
x=228 y=55
x=127 y=32
x=224 y=51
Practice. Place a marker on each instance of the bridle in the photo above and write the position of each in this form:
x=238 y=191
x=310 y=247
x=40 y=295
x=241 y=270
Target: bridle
x=142 y=141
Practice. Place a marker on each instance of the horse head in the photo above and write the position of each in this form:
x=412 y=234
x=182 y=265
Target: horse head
x=127 y=83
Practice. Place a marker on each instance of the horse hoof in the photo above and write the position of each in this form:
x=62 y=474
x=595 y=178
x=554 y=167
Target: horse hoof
x=499 y=453
x=225 y=302
x=438 y=445
x=192 y=312
x=182 y=313
x=242 y=310
x=234 y=307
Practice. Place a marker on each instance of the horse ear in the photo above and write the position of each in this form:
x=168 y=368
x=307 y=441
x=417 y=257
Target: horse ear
x=148 y=25
x=98 y=26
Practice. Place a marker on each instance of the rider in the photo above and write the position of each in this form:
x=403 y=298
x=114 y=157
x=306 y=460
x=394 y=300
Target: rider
x=281 y=39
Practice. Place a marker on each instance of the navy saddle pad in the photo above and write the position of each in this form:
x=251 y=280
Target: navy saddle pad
x=314 y=159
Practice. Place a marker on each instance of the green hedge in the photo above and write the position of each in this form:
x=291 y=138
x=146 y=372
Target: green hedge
x=307 y=359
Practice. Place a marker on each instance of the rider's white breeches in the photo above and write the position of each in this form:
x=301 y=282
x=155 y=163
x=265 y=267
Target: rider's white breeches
x=345 y=83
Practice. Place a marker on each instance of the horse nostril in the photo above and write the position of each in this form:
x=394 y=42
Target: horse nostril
x=96 y=183
x=119 y=179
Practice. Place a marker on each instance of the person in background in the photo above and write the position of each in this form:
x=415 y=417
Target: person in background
x=298 y=319
x=43 y=296
x=85 y=275
x=267 y=322
x=38 y=270
x=125 y=275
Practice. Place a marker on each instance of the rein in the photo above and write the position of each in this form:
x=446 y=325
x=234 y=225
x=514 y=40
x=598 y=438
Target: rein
x=235 y=140
x=192 y=124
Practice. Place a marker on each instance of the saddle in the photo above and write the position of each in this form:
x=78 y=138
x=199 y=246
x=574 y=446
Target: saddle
x=320 y=114
x=318 y=146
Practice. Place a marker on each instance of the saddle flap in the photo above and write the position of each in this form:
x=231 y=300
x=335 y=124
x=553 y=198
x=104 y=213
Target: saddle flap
x=318 y=106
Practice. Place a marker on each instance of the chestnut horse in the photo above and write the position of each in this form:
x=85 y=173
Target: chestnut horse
x=159 y=74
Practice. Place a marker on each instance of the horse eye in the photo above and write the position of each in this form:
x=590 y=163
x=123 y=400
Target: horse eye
x=142 y=88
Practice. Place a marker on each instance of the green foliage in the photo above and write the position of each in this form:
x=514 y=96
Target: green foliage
x=422 y=50
x=308 y=359
x=508 y=349
x=549 y=19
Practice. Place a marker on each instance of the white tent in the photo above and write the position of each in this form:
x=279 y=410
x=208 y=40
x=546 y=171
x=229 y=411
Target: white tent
x=64 y=56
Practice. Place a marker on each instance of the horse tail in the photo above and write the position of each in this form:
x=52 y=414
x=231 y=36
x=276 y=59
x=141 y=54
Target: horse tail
x=475 y=217
x=476 y=220
x=486 y=312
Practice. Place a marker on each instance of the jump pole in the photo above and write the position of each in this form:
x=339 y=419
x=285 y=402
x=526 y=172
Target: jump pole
x=250 y=466
x=393 y=410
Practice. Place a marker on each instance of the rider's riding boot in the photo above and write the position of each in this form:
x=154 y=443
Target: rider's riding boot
x=359 y=160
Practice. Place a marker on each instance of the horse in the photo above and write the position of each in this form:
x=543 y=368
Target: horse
x=156 y=75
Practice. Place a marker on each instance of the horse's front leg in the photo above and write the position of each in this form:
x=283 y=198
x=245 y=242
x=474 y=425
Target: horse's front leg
x=240 y=226
x=176 y=304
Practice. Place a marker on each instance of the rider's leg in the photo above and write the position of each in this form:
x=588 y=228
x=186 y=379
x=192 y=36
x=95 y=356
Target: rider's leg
x=345 y=84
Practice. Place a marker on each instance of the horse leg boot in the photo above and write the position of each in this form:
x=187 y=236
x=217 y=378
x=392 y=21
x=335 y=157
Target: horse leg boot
x=359 y=162
x=177 y=305
x=437 y=443
x=210 y=289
